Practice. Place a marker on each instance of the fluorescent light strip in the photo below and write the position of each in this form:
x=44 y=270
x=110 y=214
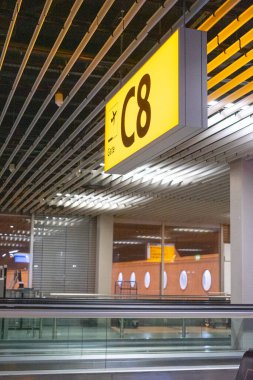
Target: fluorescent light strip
x=234 y=119
x=236 y=65
x=101 y=201
x=150 y=237
x=126 y=242
x=188 y=174
x=183 y=229
x=227 y=112
x=183 y=175
x=231 y=84
x=245 y=112
x=215 y=119
x=108 y=201
x=175 y=176
x=230 y=29
x=218 y=14
x=231 y=98
x=189 y=249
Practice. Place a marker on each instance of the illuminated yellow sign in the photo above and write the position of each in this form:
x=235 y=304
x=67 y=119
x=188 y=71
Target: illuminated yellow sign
x=155 y=252
x=147 y=106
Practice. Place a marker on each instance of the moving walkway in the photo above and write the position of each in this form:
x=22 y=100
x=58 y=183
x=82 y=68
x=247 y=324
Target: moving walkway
x=105 y=336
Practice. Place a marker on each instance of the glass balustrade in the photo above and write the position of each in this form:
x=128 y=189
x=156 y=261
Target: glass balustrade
x=102 y=335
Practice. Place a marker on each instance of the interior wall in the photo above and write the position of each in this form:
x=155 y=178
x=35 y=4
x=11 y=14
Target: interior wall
x=194 y=270
x=11 y=275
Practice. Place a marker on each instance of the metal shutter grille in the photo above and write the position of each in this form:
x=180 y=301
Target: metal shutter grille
x=91 y=278
x=64 y=255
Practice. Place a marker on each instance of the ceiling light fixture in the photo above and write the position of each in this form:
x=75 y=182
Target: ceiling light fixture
x=215 y=119
x=182 y=229
x=58 y=98
x=241 y=105
x=229 y=105
x=212 y=103
x=12 y=168
x=231 y=98
x=245 y=112
x=190 y=249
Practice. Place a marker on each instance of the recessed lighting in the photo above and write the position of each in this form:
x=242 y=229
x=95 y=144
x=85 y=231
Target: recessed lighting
x=190 y=249
x=245 y=107
x=11 y=226
x=229 y=105
x=212 y=103
x=59 y=194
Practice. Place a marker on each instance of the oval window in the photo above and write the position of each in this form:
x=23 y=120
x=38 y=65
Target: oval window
x=183 y=280
x=206 y=280
x=132 y=279
x=147 y=279
x=165 y=280
x=120 y=279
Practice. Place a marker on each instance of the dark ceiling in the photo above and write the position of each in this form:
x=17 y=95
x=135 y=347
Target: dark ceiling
x=46 y=150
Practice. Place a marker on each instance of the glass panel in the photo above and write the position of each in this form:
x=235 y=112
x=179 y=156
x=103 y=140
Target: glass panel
x=103 y=341
x=15 y=253
x=188 y=250
x=55 y=337
x=173 y=334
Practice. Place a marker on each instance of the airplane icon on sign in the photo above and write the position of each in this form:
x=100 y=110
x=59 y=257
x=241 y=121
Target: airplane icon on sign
x=113 y=121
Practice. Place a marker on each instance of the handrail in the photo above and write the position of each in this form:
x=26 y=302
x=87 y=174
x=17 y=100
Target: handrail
x=49 y=308
x=209 y=296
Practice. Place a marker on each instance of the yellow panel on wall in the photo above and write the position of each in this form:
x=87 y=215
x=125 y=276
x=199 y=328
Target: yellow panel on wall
x=154 y=253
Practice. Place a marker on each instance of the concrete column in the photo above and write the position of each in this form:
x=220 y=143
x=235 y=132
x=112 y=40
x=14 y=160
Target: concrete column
x=104 y=254
x=162 y=260
x=241 y=221
x=225 y=264
x=227 y=268
x=241 y=217
x=30 y=278
x=222 y=258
